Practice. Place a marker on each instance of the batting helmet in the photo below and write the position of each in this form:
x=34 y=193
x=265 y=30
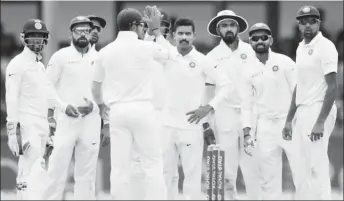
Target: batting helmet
x=127 y=17
x=34 y=43
x=307 y=11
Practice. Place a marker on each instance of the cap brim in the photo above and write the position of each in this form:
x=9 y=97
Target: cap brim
x=307 y=15
x=101 y=21
x=243 y=25
x=37 y=31
x=259 y=29
x=81 y=22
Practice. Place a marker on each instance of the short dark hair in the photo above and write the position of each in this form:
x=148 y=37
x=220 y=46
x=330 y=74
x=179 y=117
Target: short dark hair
x=184 y=22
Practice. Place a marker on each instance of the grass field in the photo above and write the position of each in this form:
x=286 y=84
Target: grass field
x=336 y=195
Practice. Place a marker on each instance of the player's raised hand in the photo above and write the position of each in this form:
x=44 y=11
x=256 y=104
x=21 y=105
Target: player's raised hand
x=287 y=131
x=152 y=17
x=71 y=111
x=198 y=114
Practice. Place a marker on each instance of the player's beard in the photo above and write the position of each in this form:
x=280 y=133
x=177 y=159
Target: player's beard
x=81 y=42
x=261 y=48
x=229 y=37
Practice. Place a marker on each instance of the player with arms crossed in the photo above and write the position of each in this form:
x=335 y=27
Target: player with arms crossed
x=186 y=72
x=269 y=75
x=71 y=71
x=124 y=67
x=313 y=106
x=27 y=95
x=232 y=56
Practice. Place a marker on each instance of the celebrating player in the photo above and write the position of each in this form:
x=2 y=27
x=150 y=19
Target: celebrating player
x=185 y=73
x=137 y=174
x=27 y=95
x=313 y=105
x=232 y=56
x=125 y=67
x=71 y=71
x=269 y=75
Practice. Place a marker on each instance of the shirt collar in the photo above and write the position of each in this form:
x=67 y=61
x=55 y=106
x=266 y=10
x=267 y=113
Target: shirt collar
x=314 y=40
x=127 y=35
x=193 y=50
x=31 y=55
x=224 y=47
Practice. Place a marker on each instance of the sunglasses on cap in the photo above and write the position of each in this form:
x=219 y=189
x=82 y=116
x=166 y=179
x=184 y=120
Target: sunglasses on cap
x=263 y=38
x=311 y=21
x=79 y=31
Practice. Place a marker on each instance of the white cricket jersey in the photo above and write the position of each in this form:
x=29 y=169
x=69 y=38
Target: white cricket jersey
x=267 y=88
x=27 y=87
x=71 y=72
x=313 y=62
x=125 y=67
x=233 y=63
x=185 y=86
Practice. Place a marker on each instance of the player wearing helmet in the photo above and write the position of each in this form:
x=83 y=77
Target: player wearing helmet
x=27 y=95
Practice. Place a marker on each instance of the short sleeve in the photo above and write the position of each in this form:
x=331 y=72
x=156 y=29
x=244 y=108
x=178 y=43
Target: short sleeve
x=99 y=69
x=329 y=59
x=213 y=74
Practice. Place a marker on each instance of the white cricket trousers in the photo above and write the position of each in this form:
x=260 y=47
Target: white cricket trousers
x=188 y=144
x=31 y=166
x=81 y=136
x=314 y=162
x=229 y=134
x=270 y=145
x=138 y=175
x=135 y=122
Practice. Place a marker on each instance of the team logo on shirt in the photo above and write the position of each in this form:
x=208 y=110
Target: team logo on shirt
x=192 y=64
x=310 y=52
x=275 y=68
x=243 y=56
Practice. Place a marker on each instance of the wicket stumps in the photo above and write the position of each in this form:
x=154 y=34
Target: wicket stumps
x=215 y=173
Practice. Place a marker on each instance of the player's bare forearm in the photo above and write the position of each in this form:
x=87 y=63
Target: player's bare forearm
x=293 y=107
x=330 y=96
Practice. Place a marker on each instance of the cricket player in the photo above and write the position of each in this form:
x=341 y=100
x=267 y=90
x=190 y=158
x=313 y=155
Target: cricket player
x=27 y=95
x=185 y=73
x=268 y=84
x=312 y=105
x=232 y=55
x=99 y=24
x=125 y=67
x=137 y=174
x=71 y=71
